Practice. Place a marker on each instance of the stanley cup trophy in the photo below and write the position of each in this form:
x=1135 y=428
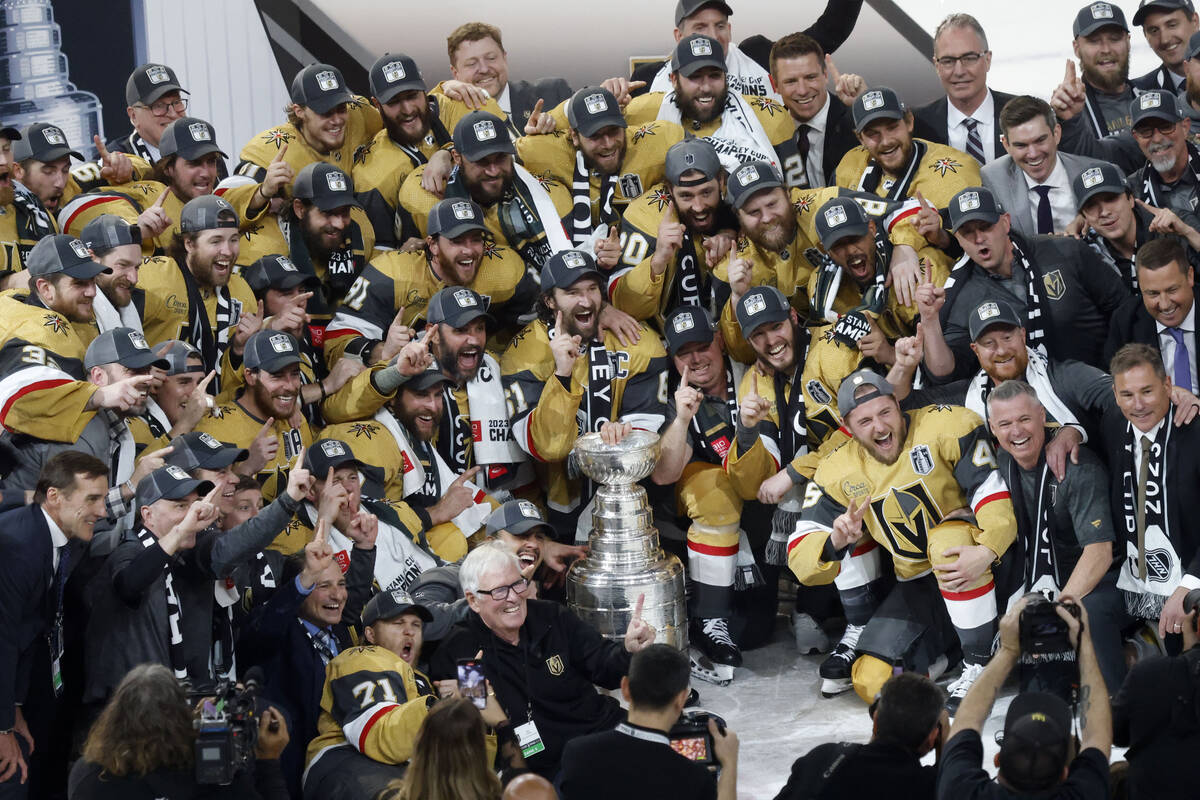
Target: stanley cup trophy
x=625 y=559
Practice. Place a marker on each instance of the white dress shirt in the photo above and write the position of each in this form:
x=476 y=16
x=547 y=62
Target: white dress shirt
x=1166 y=345
x=1151 y=434
x=505 y=100
x=1063 y=208
x=57 y=537
x=956 y=131
x=815 y=165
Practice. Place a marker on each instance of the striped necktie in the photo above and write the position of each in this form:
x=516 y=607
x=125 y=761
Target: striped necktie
x=974 y=143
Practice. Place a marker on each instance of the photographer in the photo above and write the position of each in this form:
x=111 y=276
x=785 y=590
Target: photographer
x=1038 y=756
x=909 y=719
x=1156 y=714
x=143 y=747
x=636 y=759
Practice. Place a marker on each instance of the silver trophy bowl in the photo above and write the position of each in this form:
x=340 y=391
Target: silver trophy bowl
x=625 y=560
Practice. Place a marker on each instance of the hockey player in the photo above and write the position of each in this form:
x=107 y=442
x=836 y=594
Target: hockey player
x=898 y=485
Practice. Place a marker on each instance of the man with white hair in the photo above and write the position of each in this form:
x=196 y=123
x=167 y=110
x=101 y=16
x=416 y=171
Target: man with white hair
x=540 y=659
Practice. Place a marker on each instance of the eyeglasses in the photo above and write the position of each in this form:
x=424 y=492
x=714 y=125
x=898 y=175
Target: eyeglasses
x=502 y=592
x=160 y=108
x=1146 y=130
x=967 y=59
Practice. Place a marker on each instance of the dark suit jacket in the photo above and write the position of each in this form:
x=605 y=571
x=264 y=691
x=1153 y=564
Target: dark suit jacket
x=27 y=599
x=1131 y=322
x=524 y=95
x=930 y=120
x=839 y=138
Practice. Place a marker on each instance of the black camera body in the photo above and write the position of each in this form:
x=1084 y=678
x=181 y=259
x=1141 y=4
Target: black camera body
x=226 y=734
x=691 y=738
x=1042 y=630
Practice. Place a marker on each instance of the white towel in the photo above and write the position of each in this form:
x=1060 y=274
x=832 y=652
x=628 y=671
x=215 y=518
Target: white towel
x=739 y=139
x=109 y=316
x=489 y=411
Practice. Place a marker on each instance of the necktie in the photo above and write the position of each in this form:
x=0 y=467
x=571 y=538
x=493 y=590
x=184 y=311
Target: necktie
x=1183 y=360
x=1140 y=512
x=802 y=148
x=974 y=143
x=1045 y=219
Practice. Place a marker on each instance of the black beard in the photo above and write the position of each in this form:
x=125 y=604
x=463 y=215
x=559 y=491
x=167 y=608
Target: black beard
x=398 y=136
x=689 y=109
x=449 y=364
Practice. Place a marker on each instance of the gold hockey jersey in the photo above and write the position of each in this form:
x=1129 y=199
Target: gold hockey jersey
x=936 y=170
x=38 y=325
x=774 y=118
x=362 y=123
x=230 y=422
x=947 y=464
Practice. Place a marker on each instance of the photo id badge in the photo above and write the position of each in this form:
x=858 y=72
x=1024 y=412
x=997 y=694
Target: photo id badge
x=56 y=676
x=528 y=738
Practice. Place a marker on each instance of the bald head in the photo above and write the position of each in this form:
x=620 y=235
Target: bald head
x=529 y=787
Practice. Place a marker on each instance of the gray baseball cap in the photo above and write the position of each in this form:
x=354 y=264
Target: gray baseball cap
x=593 y=109
x=567 y=267
x=688 y=324
x=432 y=376
x=275 y=271
x=480 y=134
x=840 y=218
x=109 y=231
x=205 y=213
x=61 y=252
x=972 y=203
x=389 y=605
x=171 y=483
x=456 y=306
x=878 y=103
x=847 y=402
x=271 y=351
x=149 y=82
x=518 y=517
x=196 y=450
x=1147 y=6
x=1154 y=104
x=688 y=155
x=327 y=186
x=326 y=454
x=393 y=73
x=761 y=305
x=176 y=353
x=685 y=8
x=190 y=138
x=1095 y=16
x=43 y=142
x=320 y=87
x=1103 y=178
x=749 y=179
x=990 y=313
x=695 y=52
x=1193 y=46
x=452 y=218
x=123 y=346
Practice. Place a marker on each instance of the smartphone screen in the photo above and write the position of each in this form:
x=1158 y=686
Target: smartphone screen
x=693 y=747
x=471 y=683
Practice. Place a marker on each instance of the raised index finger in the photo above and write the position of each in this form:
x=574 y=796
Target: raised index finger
x=266 y=428
x=101 y=150
x=537 y=110
x=279 y=156
x=158 y=202
x=684 y=376
x=637 y=608
x=299 y=458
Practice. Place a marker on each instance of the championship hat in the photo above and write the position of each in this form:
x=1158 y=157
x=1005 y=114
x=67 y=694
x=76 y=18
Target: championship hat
x=320 y=87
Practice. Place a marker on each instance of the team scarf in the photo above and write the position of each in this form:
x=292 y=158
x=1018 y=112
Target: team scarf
x=485 y=425
x=714 y=424
x=1040 y=569
x=853 y=326
x=1126 y=268
x=1144 y=599
x=177 y=656
x=745 y=75
x=1035 y=323
x=399 y=559
x=793 y=439
x=1091 y=107
x=690 y=285
x=739 y=139
x=1037 y=375
x=1154 y=191
x=109 y=316
x=343 y=264
x=581 y=196
x=211 y=344
x=33 y=222
x=873 y=175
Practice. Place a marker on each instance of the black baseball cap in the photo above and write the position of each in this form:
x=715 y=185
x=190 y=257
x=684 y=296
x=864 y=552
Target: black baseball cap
x=171 y=483
x=480 y=134
x=271 y=351
x=197 y=450
x=688 y=155
x=1105 y=178
x=176 y=353
x=320 y=87
x=456 y=306
x=61 y=252
x=761 y=305
x=878 y=103
x=9 y=132
x=43 y=142
x=1095 y=16
x=518 y=517
x=124 y=346
x=453 y=217
x=392 y=74
x=327 y=186
x=149 y=82
x=567 y=268
x=696 y=52
x=1034 y=749
x=749 y=179
x=432 y=376
x=847 y=402
x=593 y=109
x=1154 y=104
x=190 y=138
x=389 y=605
x=989 y=314
x=205 y=213
x=685 y=8
x=841 y=218
x=277 y=272
x=326 y=454
x=974 y=202
x=109 y=231
x=688 y=324
x=1146 y=6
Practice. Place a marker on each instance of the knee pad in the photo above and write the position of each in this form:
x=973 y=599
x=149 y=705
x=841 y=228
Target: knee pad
x=954 y=533
x=868 y=675
x=707 y=498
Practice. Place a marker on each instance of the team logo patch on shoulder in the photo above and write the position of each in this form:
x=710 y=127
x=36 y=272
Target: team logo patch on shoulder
x=1056 y=287
x=631 y=184
x=1091 y=177
x=157 y=73
x=336 y=181
x=55 y=323
x=872 y=100
x=462 y=211
x=364 y=430
x=327 y=80
x=766 y=104
x=484 y=130
x=659 y=197
x=199 y=132
x=393 y=71
x=277 y=137
x=818 y=392
x=804 y=203
x=968 y=201
x=644 y=131
x=835 y=216
x=555 y=663
x=922 y=459
x=944 y=165
x=333 y=449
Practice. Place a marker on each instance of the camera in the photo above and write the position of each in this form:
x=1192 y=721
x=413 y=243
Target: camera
x=691 y=738
x=1042 y=630
x=226 y=731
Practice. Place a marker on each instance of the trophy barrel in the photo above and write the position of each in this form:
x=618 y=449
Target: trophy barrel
x=625 y=560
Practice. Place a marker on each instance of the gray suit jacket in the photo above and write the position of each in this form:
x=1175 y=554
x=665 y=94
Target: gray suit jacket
x=1006 y=181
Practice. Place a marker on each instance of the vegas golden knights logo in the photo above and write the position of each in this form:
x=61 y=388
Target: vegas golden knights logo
x=1056 y=287
x=905 y=517
x=555 y=665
